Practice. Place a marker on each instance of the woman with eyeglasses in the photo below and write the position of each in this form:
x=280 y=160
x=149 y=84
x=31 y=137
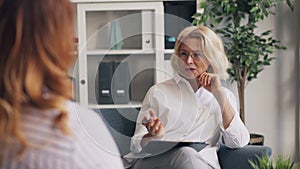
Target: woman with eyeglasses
x=190 y=107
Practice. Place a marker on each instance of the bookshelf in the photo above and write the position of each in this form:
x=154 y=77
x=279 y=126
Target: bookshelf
x=139 y=26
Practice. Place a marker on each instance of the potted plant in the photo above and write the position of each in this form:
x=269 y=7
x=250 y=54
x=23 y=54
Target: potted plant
x=236 y=21
x=280 y=162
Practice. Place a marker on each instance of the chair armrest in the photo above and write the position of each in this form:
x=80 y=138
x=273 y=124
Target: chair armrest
x=239 y=158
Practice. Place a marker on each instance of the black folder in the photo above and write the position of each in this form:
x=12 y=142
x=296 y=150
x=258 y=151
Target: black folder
x=120 y=83
x=105 y=72
x=114 y=81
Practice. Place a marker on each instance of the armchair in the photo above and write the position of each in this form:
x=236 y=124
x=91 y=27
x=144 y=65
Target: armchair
x=121 y=123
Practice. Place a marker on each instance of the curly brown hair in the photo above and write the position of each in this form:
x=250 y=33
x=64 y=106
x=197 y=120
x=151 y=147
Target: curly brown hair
x=36 y=44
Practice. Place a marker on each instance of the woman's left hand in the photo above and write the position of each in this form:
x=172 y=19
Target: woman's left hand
x=210 y=82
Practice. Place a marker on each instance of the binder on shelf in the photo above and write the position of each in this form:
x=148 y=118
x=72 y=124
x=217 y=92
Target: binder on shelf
x=120 y=83
x=105 y=73
x=114 y=80
x=144 y=78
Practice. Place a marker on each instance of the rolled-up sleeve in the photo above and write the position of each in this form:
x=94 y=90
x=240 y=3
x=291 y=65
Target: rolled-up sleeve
x=140 y=130
x=236 y=135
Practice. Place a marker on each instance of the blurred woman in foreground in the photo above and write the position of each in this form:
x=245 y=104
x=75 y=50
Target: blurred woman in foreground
x=39 y=125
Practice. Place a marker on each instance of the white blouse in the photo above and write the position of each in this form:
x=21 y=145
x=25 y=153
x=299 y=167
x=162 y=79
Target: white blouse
x=187 y=115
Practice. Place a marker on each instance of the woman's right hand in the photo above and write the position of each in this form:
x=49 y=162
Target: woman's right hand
x=154 y=125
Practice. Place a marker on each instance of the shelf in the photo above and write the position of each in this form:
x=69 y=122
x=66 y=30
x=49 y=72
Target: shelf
x=169 y=51
x=119 y=52
x=109 y=106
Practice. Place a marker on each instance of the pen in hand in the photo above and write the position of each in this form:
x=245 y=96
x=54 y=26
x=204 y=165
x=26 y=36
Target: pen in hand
x=153 y=124
x=146 y=121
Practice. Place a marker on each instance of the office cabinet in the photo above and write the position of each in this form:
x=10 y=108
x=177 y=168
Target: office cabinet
x=123 y=32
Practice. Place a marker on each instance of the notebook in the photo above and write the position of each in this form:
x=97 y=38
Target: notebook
x=157 y=147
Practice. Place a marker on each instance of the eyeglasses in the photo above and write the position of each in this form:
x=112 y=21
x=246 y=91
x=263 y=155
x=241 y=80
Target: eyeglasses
x=196 y=55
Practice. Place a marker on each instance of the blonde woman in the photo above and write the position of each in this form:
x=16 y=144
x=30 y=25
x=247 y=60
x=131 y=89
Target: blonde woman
x=192 y=106
x=39 y=127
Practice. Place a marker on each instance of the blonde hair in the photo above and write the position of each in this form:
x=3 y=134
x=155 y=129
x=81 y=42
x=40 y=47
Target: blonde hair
x=36 y=41
x=211 y=46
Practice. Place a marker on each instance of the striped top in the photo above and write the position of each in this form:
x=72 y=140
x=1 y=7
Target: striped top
x=89 y=146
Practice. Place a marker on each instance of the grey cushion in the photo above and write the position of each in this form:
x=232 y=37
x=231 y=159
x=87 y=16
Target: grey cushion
x=239 y=158
x=121 y=123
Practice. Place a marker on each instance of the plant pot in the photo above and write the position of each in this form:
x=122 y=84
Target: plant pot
x=256 y=139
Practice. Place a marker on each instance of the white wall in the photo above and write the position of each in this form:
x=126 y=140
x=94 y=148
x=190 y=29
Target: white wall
x=271 y=99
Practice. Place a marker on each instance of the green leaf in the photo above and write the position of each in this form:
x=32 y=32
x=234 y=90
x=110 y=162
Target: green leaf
x=266 y=33
x=254 y=9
